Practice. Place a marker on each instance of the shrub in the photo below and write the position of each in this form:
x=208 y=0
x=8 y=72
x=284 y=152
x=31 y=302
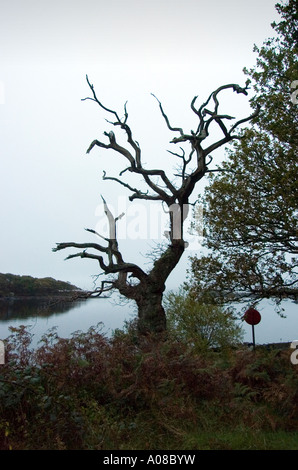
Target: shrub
x=204 y=326
x=124 y=392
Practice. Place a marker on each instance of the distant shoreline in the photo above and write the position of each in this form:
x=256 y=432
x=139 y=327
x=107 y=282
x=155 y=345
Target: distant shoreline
x=14 y=286
x=71 y=296
x=67 y=295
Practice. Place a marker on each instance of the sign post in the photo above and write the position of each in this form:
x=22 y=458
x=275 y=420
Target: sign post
x=252 y=317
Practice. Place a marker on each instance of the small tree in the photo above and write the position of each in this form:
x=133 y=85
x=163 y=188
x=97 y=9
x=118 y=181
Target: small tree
x=202 y=325
x=146 y=288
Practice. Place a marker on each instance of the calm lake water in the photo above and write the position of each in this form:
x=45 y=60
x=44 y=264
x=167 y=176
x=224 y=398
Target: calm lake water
x=39 y=316
x=69 y=317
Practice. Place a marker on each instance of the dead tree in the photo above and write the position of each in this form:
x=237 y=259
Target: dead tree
x=146 y=288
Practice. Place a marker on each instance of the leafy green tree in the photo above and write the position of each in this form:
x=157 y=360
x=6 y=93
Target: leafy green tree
x=250 y=217
x=203 y=326
x=274 y=75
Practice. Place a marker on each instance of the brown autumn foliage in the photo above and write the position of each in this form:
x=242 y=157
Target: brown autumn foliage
x=94 y=392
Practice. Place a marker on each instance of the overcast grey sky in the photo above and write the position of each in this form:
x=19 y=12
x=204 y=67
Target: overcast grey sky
x=50 y=190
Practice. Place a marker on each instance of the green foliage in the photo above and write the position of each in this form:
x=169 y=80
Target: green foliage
x=202 y=325
x=250 y=209
x=276 y=68
x=91 y=392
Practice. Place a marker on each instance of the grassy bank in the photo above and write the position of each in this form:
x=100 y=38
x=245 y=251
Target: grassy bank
x=94 y=392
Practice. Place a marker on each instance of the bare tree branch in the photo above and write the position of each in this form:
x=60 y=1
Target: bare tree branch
x=62 y=246
x=111 y=250
x=131 y=281
x=137 y=192
x=175 y=129
x=99 y=291
x=113 y=145
x=97 y=100
x=249 y=118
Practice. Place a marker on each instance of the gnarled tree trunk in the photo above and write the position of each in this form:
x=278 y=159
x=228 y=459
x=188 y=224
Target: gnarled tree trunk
x=151 y=313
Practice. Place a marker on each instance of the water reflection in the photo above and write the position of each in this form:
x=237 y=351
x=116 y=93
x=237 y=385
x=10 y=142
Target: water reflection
x=41 y=315
x=21 y=309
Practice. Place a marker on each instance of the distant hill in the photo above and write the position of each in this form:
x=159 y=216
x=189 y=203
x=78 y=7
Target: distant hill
x=14 y=285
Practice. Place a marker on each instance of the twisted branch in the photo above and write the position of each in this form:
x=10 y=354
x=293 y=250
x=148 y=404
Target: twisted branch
x=115 y=264
x=170 y=193
x=172 y=196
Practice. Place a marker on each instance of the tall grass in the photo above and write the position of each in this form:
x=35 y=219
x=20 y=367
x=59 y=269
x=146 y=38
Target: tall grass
x=94 y=392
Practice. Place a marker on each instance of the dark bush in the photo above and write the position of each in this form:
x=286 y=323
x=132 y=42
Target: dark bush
x=94 y=392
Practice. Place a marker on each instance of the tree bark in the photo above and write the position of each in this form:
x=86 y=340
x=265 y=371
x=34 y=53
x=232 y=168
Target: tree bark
x=151 y=314
x=150 y=310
